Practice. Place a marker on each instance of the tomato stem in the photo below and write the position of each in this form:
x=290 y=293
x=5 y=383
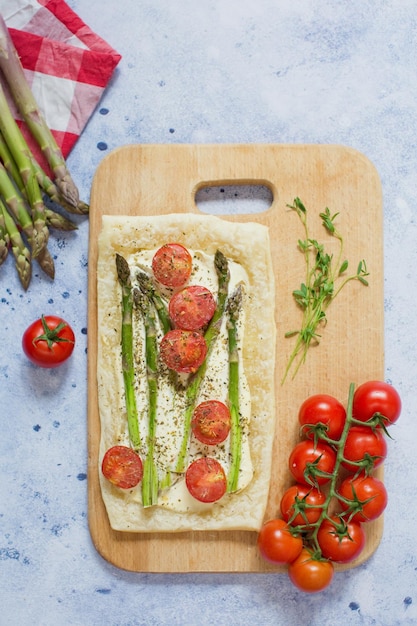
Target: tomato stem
x=340 y=528
x=51 y=335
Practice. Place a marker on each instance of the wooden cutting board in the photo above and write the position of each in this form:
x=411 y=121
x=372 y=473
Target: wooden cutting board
x=160 y=179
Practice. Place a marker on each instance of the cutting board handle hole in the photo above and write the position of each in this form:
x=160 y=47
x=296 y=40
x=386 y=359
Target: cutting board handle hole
x=221 y=199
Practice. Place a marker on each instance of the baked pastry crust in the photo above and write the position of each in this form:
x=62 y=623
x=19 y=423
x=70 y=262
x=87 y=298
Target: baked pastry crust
x=248 y=245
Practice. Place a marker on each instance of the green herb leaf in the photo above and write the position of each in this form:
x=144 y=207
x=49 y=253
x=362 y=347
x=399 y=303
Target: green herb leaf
x=323 y=283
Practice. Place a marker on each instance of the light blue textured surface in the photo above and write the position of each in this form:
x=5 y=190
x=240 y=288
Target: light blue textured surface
x=194 y=72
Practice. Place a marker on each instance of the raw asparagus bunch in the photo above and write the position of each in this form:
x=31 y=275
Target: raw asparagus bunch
x=24 y=184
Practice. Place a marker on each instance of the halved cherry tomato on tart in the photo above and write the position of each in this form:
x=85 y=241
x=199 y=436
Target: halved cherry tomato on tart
x=172 y=265
x=122 y=466
x=206 y=479
x=211 y=422
x=48 y=341
x=192 y=307
x=183 y=350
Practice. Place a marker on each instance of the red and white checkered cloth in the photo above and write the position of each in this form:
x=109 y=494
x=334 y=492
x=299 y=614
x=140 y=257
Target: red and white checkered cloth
x=66 y=64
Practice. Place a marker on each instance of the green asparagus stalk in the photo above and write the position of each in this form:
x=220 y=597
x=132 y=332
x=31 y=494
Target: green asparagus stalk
x=147 y=287
x=46 y=262
x=52 y=191
x=210 y=336
x=19 y=210
x=58 y=221
x=19 y=151
x=150 y=470
x=123 y=274
x=4 y=239
x=9 y=163
x=233 y=308
x=19 y=248
x=13 y=71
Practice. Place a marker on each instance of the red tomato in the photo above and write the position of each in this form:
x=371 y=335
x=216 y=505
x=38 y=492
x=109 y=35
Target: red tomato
x=206 y=480
x=122 y=467
x=211 y=422
x=308 y=461
x=302 y=505
x=341 y=542
x=49 y=341
x=183 y=350
x=365 y=446
x=367 y=496
x=376 y=398
x=192 y=307
x=309 y=574
x=277 y=544
x=322 y=414
x=172 y=264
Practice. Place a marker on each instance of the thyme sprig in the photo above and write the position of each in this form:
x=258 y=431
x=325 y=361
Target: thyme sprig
x=325 y=277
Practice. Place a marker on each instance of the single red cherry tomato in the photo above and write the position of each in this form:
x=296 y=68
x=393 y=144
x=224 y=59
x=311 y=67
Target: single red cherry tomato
x=122 y=466
x=211 y=422
x=206 y=479
x=172 y=264
x=310 y=574
x=183 y=350
x=366 y=495
x=302 y=505
x=376 y=398
x=277 y=544
x=322 y=413
x=308 y=462
x=49 y=341
x=341 y=542
x=366 y=446
x=192 y=307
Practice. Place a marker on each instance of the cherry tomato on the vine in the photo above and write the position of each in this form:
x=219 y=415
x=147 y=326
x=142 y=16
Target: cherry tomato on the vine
x=183 y=350
x=277 y=544
x=172 y=265
x=312 y=464
x=367 y=495
x=376 y=398
x=366 y=446
x=302 y=505
x=206 y=479
x=324 y=410
x=211 y=422
x=339 y=541
x=122 y=466
x=310 y=574
x=192 y=307
x=48 y=341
